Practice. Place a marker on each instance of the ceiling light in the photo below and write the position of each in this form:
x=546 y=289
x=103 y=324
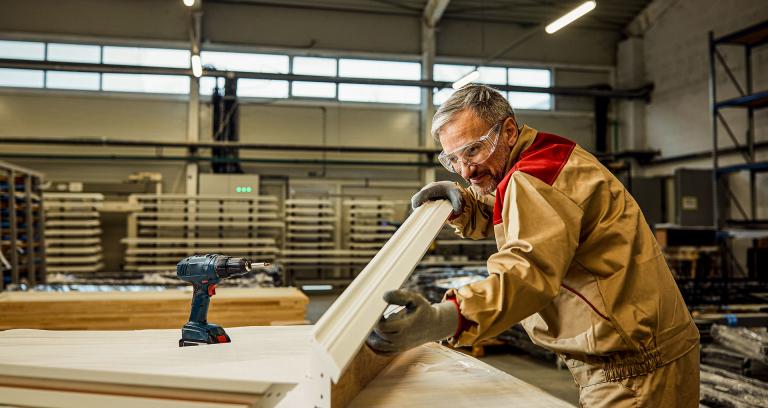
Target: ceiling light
x=188 y=3
x=197 y=66
x=571 y=16
x=466 y=79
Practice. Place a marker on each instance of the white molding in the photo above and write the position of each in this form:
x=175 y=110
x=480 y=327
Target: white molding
x=341 y=331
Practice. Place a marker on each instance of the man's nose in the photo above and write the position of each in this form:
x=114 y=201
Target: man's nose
x=467 y=170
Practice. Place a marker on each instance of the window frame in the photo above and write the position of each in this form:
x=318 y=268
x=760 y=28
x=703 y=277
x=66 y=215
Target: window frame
x=291 y=55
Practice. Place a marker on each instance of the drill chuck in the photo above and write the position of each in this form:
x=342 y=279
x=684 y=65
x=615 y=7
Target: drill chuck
x=233 y=267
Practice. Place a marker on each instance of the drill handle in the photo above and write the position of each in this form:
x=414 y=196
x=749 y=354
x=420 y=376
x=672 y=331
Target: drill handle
x=201 y=298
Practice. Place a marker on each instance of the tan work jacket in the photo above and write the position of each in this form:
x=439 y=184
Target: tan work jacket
x=577 y=264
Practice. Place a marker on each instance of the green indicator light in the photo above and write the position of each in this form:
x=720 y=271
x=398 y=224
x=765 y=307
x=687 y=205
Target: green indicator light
x=238 y=189
x=248 y=190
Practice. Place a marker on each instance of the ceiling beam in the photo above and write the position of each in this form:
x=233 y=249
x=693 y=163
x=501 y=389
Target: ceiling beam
x=434 y=11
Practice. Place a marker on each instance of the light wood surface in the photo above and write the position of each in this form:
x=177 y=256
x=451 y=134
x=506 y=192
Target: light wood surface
x=69 y=369
x=147 y=310
x=435 y=376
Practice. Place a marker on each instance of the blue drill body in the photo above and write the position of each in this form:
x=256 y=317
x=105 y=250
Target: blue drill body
x=204 y=272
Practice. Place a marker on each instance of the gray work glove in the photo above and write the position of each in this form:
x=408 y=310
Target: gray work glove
x=418 y=323
x=439 y=190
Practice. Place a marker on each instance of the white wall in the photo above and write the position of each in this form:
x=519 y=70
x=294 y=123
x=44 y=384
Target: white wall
x=248 y=27
x=72 y=115
x=675 y=59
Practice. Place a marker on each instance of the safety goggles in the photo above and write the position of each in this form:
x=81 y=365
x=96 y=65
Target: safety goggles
x=472 y=153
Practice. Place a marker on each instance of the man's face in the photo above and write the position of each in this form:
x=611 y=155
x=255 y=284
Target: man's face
x=467 y=127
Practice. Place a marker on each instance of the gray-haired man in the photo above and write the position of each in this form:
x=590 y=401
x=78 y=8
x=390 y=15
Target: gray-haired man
x=577 y=264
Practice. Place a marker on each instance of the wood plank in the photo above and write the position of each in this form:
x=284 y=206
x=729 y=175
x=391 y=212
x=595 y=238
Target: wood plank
x=148 y=364
x=144 y=310
x=433 y=375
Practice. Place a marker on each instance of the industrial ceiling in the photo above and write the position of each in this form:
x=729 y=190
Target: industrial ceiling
x=611 y=15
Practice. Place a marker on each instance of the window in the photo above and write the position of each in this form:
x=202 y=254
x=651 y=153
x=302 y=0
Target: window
x=87 y=81
x=313 y=89
x=379 y=93
x=22 y=50
x=442 y=95
x=234 y=61
x=450 y=73
x=170 y=84
x=257 y=62
x=529 y=100
x=148 y=57
x=262 y=88
x=314 y=66
x=207 y=84
x=499 y=76
x=24 y=78
x=74 y=53
x=355 y=68
x=530 y=77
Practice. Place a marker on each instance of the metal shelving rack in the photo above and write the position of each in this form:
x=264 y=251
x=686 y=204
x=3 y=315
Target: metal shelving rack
x=748 y=38
x=749 y=100
x=22 y=222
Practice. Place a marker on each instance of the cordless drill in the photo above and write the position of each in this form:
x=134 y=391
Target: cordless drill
x=204 y=272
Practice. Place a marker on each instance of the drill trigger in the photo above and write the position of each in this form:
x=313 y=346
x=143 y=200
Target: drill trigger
x=211 y=290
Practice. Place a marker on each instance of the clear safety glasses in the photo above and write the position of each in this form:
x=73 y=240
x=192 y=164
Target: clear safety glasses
x=471 y=153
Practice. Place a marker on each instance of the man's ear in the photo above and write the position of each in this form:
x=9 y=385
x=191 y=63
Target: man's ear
x=510 y=131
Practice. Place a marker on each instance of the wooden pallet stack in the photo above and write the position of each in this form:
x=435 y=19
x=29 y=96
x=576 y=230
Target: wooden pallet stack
x=22 y=221
x=168 y=309
x=73 y=232
x=169 y=227
x=369 y=223
x=310 y=236
x=311 y=248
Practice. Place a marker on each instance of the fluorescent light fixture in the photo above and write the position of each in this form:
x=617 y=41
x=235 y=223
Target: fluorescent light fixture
x=197 y=66
x=466 y=79
x=188 y=3
x=571 y=16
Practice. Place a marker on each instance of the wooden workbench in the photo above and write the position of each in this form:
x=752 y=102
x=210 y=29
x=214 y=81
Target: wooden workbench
x=169 y=309
x=430 y=375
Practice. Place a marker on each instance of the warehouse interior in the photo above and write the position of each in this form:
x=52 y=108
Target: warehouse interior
x=137 y=133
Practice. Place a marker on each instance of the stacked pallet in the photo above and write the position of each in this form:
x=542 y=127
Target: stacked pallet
x=22 y=243
x=313 y=254
x=148 y=310
x=167 y=228
x=369 y=223
x=73 y=232
x=310 y=245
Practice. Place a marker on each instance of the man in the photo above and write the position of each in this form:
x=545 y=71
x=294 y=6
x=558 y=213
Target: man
x=577 y=264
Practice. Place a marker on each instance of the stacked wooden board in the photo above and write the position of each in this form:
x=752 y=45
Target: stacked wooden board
x=148 y=310
x=369 y=223
x=73 y=232
x=311 y=239
x=169 y=227
x=262 y=367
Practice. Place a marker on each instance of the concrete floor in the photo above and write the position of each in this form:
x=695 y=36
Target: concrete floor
x=544 y=375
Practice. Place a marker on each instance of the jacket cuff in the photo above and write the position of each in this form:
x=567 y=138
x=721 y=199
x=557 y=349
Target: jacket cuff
x=463 y=323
